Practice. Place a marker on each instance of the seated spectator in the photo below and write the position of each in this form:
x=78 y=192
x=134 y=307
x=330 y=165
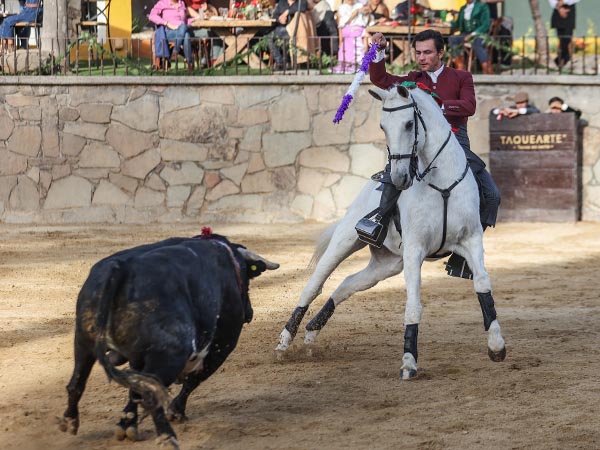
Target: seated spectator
x=279 y=36
x=473 y=22
x=326 y=25
x=557 y=105
x=493 y=6
x=379 y=12
x=353 y=18
x=201 y=9
x=521 y=107
x=30 y=12
x=173 y=16
x=400 y=12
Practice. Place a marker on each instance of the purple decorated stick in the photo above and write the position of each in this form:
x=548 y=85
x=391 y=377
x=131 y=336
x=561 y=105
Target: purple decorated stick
x=360 y=75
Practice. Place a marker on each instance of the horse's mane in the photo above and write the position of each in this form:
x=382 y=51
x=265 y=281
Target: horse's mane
x=423 y=98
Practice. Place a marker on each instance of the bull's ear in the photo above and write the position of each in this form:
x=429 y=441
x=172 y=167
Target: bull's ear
x=378 y=94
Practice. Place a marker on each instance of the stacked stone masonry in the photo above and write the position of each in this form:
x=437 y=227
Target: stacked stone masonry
x=138 y=153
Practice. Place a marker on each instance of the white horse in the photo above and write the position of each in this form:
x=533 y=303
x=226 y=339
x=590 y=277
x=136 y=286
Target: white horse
x=438 y=214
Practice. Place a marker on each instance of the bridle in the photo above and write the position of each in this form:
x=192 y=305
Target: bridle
x=414 y=159
x=414 y=164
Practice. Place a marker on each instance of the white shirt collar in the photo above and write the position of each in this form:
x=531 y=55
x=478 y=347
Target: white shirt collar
x=434 y=75
x=469 y=10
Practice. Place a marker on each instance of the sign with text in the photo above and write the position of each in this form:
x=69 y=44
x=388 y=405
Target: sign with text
x=536 y=163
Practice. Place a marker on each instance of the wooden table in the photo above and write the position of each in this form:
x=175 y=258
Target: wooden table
x=398 y=36
x=236 y=44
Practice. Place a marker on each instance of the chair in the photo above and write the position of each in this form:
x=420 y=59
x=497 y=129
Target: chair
x=22 y=41
x=162 y=50
x=93 y=16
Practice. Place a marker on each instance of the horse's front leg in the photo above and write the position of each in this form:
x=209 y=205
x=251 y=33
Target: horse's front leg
x=343 y=244
x=472 y=250
x=413 y=260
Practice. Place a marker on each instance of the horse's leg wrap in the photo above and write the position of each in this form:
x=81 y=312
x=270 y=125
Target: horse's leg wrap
x=322 y=317
x=410 y=339
x=487 y=308
x=294 y=322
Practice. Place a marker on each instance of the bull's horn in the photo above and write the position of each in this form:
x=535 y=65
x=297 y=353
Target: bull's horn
x=248 y=255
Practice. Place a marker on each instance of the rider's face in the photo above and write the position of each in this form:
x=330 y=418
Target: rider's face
x=427 y=56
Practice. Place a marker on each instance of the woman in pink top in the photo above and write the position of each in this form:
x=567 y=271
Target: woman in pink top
x=172 y=14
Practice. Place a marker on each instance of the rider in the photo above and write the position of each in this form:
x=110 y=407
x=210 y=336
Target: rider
x=456 y=89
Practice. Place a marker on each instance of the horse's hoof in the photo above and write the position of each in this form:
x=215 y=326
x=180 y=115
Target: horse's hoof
x=497 y=356
x=408 y=374
x=68 y=424
x=119 y=434
x=285 y=339
x=132 y=434
x=311 y=337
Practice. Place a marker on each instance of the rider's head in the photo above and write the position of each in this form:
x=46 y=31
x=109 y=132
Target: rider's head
x=429 y=49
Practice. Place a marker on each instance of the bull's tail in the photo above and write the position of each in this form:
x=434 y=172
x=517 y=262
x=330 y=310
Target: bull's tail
x=153 y=392
x=322 y=244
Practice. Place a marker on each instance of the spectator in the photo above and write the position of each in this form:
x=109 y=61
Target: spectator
x=493 y=6
x=353 y=18
x=379 y=12
x=401 y=11
x=563 y=21
x=279 y=36
x=201 y=9
x=173 y=16
x=557 y=105
x=31 y=11
x=521 y=107
x=473 y=22
x=325 y=24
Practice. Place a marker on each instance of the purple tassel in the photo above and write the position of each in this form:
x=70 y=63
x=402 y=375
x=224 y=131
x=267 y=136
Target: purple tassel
x=368 y=58
x=364 y=67
x=342 y=109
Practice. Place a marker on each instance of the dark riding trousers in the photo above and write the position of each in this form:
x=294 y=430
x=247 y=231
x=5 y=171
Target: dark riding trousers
x=489 y=207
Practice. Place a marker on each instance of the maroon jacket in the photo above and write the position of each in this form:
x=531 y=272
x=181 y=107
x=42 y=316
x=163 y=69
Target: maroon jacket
x=455 y=87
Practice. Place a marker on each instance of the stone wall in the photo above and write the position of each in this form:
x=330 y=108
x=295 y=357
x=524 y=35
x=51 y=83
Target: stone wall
x=251 y=149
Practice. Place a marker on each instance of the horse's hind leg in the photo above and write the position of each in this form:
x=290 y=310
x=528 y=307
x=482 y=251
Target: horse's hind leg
x=382 y=265
x=472 y=250
x=343 y=243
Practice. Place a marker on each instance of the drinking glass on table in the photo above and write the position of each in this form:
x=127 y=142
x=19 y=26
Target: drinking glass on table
x=224 y=12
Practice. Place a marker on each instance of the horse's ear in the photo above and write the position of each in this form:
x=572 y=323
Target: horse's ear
x=402 y=91
x=377 y=94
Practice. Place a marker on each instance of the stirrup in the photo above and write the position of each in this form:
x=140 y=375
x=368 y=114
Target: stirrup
x=371 y=230
x=457 y=266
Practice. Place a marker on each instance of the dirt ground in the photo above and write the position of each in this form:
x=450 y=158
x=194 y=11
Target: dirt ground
x=347 y=395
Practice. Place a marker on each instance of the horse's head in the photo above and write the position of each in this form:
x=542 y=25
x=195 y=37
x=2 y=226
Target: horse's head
x=404 y=132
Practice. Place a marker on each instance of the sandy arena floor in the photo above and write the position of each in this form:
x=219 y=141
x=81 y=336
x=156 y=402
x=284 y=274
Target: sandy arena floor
x=546 y=395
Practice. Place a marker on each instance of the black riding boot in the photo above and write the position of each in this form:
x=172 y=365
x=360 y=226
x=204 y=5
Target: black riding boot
x=372 y=228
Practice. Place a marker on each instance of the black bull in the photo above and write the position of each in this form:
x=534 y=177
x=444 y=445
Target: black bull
x=174 y=310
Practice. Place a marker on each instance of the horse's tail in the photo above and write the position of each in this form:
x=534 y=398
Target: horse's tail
x=322 y=244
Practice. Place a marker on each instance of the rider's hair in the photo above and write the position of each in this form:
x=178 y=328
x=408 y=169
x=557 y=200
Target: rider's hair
x=426 y=35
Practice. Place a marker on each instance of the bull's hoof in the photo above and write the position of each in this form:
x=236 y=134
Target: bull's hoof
x=408 y=374
x=176 y=417
x=497 y=356
x=166 y=441
x=130 y=433
x=68 y=424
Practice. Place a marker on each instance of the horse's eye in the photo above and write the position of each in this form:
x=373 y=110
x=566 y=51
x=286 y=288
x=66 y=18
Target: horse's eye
x=409 y=125
x=381 y=126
